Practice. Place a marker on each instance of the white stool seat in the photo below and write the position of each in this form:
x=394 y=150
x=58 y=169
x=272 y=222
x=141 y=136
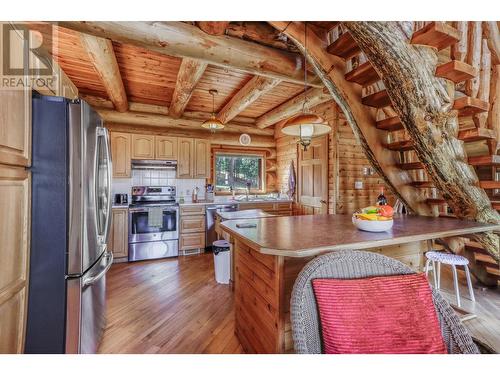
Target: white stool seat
x=447 y=258
x=436 y=258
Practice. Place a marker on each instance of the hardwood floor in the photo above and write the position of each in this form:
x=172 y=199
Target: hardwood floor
x=168 y=306
x=175 y=306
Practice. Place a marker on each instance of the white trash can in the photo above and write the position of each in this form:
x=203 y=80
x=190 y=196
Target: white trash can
x=222 y=261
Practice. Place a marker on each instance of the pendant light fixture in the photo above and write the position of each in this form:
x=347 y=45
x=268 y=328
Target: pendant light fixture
x=213 y=123
x=306 y=125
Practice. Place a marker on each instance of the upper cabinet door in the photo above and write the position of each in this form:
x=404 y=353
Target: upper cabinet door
x=166 y=148
x=143 y=146
x=202 y=158
x=185 y=162
x=15 y=127
x=120 y=154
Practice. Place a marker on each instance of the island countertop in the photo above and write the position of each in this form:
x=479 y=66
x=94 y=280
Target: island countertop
x=245 y=214
x=309 y=235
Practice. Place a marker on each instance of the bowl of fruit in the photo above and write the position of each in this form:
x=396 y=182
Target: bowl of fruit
x=374 y=218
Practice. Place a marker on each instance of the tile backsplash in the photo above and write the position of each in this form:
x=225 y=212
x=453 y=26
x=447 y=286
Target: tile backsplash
x=140 y=177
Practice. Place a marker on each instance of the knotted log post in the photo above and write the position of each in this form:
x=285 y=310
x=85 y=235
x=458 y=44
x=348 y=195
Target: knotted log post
x=424 y=107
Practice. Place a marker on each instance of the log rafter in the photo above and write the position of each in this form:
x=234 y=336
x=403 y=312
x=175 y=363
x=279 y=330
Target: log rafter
x=293 y=106
x=253 y=90
x=183 y=40
x=189 y=74
x=102 y=57
x=422 y=102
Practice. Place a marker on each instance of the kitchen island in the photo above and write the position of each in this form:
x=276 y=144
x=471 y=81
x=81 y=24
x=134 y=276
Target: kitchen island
x=269 y=256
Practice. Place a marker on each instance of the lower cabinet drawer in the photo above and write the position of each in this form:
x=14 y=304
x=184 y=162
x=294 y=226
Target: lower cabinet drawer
x=192 y=224
x=192 y=241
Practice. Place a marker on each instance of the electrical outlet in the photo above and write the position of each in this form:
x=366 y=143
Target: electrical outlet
x=358 y=185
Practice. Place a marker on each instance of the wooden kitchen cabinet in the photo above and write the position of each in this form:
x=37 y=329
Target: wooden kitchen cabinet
x=120 y=154
x=118 y=236
x=166 y=148
x=143 y=146
x=15 y=185
x=15 y=127
x=191 y=241
x=202 y=158
x=185 y=163
x=192 y=224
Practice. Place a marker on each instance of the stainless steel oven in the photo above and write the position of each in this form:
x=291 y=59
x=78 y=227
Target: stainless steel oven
x=153 y=223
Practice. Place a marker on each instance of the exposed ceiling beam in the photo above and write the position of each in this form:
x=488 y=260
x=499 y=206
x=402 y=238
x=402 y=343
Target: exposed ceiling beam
x=151 y=119
x=217 y=138
x=213 y=27
x=184 y=40
x=189 y=74
x=98 y=102
x=293 y=106
x=262 y=33
x=102 y=57
x=252 y=91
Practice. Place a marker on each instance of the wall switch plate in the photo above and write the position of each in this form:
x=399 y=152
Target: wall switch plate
x=358 y=185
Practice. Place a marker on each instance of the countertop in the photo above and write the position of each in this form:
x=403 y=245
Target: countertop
x=230 y=201
x=245 y=214
x=309 y=235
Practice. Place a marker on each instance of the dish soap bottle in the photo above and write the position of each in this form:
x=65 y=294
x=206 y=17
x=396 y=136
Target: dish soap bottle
x=381 y=199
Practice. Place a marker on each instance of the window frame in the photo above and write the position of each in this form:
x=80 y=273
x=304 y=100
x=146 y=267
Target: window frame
x=260 y=154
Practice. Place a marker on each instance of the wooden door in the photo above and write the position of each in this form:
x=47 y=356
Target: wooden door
x=166 y=148
x=202 y=158
x=313 y=177
x=185 y=162
x=14 y=251
x=143 y=146
x=118 y=239
x=120 y=153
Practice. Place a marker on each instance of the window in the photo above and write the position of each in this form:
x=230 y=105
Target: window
x=238 y=170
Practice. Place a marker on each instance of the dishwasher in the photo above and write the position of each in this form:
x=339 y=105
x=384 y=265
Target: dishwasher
x=210 y=235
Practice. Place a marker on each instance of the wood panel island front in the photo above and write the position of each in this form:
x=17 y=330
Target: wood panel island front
x=269 y=256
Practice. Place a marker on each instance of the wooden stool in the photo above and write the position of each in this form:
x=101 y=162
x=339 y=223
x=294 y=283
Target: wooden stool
x=438 y=257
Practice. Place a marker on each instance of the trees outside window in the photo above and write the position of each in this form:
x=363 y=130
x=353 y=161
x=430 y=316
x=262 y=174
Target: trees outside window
x=236 y=171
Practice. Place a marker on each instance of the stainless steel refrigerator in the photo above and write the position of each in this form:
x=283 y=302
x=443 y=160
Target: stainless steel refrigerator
x=71 y=211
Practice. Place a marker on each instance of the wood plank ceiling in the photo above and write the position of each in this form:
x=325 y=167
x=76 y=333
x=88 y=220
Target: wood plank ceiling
x=150 y=77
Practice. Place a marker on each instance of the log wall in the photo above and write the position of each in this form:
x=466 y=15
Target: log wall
x=347 y=164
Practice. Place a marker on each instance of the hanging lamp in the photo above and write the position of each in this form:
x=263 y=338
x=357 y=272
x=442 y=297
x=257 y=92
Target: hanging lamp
x=213 y=123
x=306 y=125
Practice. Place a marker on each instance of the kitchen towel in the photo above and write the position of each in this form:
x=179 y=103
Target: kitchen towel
x=155 y=217
x=291 y=181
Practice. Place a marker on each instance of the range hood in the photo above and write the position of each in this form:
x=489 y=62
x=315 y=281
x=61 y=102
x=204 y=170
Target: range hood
x=154 y=164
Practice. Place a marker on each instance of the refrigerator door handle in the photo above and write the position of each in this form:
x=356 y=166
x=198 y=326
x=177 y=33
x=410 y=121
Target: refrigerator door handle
x=110 y=176
x=89 y=280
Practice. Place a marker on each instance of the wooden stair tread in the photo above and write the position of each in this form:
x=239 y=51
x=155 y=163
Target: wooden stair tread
x=485 y=260
x=411 y=166
x=405 y=145
x=435 y=201
x=468 y=106
x=345 y=46
x=493 y=271
x=475 y=248
x=476 y=134
x=380 y=99
x=422 y=184
x=436 y=34
x=389 y=124
x=485 y=161
x=495 y=205
x=456 y=71
x=364 y=74
x=489 y=184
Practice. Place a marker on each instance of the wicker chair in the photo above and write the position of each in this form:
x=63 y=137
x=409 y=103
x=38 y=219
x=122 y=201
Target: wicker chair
x=359 y=264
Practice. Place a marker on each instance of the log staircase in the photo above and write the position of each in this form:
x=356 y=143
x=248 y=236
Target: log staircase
x=460 y=69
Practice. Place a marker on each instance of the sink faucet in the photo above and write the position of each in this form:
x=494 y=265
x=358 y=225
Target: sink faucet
x=247 y=191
